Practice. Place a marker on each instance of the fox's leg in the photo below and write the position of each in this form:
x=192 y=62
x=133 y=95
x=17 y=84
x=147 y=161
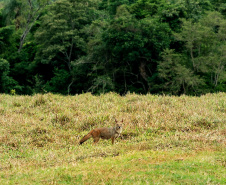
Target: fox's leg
x=113 y=139
x=95 y=140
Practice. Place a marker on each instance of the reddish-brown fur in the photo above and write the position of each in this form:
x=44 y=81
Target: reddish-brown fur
x=103 y=133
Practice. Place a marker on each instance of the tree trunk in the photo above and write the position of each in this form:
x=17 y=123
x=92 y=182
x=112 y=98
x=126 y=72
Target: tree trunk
x=69 y=86
x=25 y=33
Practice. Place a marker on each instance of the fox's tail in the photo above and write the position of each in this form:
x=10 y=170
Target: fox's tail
x=86 y=137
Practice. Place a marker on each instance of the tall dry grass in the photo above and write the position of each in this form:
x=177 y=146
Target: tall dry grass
x=41 y=120
x=42 y=131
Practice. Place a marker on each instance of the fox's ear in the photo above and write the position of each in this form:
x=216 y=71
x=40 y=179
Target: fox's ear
x=122 y=121
x=116 y=121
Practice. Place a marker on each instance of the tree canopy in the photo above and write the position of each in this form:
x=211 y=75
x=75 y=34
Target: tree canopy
x=142 y=46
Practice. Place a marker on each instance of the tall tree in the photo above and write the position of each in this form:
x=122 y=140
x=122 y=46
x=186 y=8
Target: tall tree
x=24 y=13
x=204 y=55
x=129 y=49
x=177 y=77
x=61 y=37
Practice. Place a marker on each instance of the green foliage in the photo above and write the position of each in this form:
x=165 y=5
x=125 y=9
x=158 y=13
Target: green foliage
x=57 y=83
x=4 y=66
x=102 y=84
x=131 y=47
x=112 y=5
x=5 y=39
x=13 y=92
x=60 y=37
x=145 y=8
x=6 y=82
x=70 y=47
x=205 y=45
x=178 y=78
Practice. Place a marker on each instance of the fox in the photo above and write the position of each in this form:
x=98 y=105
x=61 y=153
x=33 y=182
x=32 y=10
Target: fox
x=104 y=133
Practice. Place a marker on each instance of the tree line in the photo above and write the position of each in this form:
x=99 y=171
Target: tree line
x=142 y=46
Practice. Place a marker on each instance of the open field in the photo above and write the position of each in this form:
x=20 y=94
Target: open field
x=166 y=139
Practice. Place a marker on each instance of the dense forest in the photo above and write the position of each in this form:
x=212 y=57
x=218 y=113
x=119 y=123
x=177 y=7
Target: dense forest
x=142 y=46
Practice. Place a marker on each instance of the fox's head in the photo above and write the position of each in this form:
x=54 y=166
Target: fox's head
x=118 y=126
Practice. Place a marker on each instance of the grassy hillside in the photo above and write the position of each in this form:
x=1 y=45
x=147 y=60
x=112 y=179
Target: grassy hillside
x=166 y=140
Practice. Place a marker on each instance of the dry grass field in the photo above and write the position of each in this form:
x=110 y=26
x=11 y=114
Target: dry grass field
x=166 y=139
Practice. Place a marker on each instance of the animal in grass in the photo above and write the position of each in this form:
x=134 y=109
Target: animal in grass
x=104 y=133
